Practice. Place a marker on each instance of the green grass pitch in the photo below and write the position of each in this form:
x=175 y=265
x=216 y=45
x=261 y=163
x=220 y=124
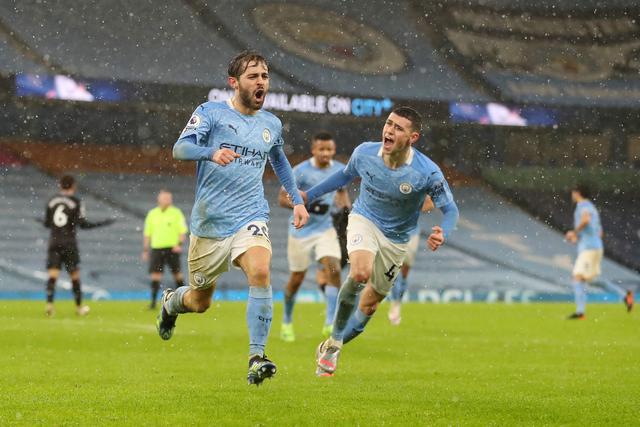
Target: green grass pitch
x=455 y=364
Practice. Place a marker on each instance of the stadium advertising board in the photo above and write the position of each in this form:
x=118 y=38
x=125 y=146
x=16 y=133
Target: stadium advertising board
x=68 y=88
x=494 y=113
x=589 y=59
x=317 y=104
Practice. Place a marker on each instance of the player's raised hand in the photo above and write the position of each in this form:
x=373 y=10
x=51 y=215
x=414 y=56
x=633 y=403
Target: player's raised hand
x=300 y=216
x=435 y=239
x=224 y=156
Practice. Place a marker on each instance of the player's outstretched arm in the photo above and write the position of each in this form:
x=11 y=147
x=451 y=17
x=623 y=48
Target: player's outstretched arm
x=284 y=172
x=85 y=225
x=331 y=183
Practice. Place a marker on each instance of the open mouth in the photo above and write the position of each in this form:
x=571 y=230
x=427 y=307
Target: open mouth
x=259 y=95
x=388 y=142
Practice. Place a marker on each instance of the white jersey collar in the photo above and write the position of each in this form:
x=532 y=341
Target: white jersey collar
x=409 y=157
x=313 y=162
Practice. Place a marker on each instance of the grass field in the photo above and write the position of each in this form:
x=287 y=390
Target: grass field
x=445 y=365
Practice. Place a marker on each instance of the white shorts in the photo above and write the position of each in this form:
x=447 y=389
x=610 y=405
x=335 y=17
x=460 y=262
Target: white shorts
x=362 y=234
x=588 y=264
x=325 y=244
x=209 y=258
x=412 y=249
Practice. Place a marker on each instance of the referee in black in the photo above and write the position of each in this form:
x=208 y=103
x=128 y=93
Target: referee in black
x=64 y=213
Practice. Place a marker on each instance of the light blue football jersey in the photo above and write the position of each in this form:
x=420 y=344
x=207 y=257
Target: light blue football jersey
x=589 y=237
x=307 y=175
x=228 y=197
x=392 y=198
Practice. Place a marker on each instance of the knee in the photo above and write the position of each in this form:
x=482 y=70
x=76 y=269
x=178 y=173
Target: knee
x=360 y=275
x=259 y=275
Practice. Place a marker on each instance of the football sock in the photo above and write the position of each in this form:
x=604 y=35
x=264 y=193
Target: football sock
x=259 y=315
x=355 y=325
x=155 y=287
x=346 y=303
x=175 y=304
x=399 y=288
x=51 y=289
x=77 y=293
x=580 y=296
x=331 y=294
x=289 y=302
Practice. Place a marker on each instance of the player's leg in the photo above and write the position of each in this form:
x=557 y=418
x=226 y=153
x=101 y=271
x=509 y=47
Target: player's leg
x=51 y=289
x=156 y=268
x=173 y=261
x=580 y=297
x=328 y=254
x=367 y=306
x=53 y=270
x=331 y=267
x=298 y=257
x=328 y=351
x=386 y=267
x=295 y=281
x=208 y=258
x=71 y=259
x=155 y=288
x=397 y=293
x=251 y=252
x=321 y=278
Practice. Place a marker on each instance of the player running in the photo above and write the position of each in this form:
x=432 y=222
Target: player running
x=401 y=284
x=587 y=235
x=318 y=236
x=64 y=213
x=395 y=180
x=231 y=142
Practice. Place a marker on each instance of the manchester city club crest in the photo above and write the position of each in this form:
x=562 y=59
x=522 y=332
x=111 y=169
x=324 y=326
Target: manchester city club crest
x=405 y=188
x=266 y=135
x=356 y=239
x=199 y=278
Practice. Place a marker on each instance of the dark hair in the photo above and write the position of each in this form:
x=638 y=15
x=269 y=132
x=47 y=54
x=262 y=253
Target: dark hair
x=322 y=136
x=410 y=114
x=67 y=181
x=583 y=189
x=241 y=61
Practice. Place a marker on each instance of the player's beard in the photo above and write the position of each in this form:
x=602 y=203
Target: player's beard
x=249 y=101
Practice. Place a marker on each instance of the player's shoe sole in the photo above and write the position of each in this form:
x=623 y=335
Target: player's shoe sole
x=260 y=368
x=165 y=323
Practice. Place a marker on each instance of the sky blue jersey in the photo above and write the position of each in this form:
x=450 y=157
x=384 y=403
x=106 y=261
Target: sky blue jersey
x=392 y=198
x=308 y=174
x=589 y=237
x=228 y=197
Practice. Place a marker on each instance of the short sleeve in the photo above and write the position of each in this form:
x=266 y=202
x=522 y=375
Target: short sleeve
x=352 y=166
x=199 y=125
x=182 y=223
x=147 y=225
